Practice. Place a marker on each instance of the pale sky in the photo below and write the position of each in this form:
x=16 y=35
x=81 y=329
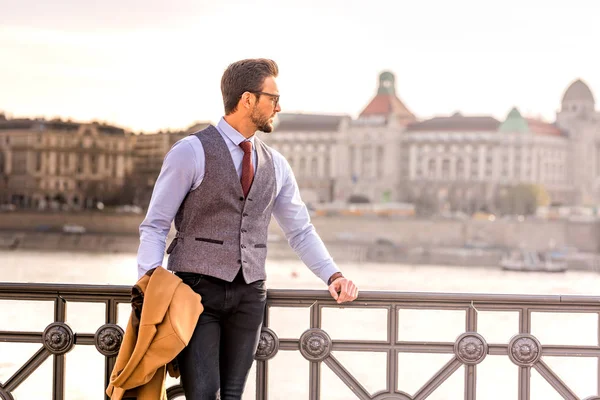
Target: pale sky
x=157 y=64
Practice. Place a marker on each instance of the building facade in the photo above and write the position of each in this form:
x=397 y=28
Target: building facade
x=462 y=163
x=386 y=154
x=62 y=164
x=456 y=162
x=308 y=142
x=149 y=152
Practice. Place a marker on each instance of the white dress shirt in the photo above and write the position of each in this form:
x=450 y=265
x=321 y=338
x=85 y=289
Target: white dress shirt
x=183 y=170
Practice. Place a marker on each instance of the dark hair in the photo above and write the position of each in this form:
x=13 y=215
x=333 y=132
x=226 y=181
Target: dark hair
x=245 y=76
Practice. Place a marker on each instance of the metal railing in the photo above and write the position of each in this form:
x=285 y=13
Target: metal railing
x=315 y=345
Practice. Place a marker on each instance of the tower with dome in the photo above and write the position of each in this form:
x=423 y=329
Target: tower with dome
x=581 y=122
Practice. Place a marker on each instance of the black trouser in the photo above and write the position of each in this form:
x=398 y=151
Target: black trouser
x=221 y=351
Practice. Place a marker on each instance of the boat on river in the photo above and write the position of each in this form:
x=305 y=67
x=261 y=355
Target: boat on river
x=533 y=261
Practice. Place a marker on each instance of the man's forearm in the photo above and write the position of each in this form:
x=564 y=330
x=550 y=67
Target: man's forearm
x=313 y=253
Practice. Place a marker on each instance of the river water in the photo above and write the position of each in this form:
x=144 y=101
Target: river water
x=496 y=375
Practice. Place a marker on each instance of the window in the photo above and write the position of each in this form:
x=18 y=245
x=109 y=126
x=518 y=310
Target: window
x=38 y=161
x=380 y=161
x=460 y=169
x=431 y=168
x=367 y=161
x=446 y=169
x=314 y=167
x=80 y=163
x=489 y=166
x=114 y=166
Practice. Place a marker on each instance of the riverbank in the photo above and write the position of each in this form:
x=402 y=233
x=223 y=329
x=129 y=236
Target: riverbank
x=354 y=251
x=530 y=233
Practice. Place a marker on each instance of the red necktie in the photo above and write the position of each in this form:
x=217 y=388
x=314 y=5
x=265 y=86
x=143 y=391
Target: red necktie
x=247 y=167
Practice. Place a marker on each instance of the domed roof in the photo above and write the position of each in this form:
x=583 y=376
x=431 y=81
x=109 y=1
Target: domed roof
x=514 y=123
x=579 y=92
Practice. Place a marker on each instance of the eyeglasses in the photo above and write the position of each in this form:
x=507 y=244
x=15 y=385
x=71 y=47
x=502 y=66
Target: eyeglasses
x=274 y=97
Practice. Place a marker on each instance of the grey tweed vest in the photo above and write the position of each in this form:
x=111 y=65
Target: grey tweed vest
x=218 y=230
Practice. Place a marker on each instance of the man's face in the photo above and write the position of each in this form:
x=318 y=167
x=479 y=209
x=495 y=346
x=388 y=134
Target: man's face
x=266 y=106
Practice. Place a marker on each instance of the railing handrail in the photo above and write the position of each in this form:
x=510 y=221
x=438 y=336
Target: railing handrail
x=313 y=294
x=64 y=288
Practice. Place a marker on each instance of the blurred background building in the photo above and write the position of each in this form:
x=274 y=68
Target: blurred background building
x=456 y=163
x=149 y=152
x=62 y=163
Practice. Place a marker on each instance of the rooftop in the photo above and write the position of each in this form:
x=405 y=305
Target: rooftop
x=386 y=103
x=456 y=123
x=307 y=122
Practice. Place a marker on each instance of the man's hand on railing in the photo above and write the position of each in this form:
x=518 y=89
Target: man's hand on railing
x=343 y=290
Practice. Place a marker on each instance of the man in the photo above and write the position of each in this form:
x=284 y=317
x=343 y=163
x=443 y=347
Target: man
x=221 y=186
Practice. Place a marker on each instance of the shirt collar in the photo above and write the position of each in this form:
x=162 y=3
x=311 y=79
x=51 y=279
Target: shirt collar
x=233 y=135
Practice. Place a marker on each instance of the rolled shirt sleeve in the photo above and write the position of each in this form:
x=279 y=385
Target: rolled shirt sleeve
x=174 y=182
x=291 y=214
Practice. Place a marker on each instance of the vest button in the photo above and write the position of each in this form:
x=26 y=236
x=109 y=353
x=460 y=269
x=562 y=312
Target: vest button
x=242 y=198
x=244 y=231
x=244 y=215
x=243 y=246
x=239 y=261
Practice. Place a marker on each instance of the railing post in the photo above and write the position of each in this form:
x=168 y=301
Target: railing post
x=315 y=367
x=524 y=372
x=109 y=363
x=524 y=383
x=471 y=370
x=58 y=384
x=392 y=378
x=262 y=368
x=315 y=380
x=261 y=380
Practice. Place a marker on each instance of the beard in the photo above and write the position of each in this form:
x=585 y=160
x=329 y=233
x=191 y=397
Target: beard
x=261 y=121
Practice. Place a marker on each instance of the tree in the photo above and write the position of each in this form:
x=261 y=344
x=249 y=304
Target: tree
x=123 y=195
x=426 y=205
x=358 y=199
x=522 y=199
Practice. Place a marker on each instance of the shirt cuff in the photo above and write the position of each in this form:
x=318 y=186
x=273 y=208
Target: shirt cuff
x=326 y=272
